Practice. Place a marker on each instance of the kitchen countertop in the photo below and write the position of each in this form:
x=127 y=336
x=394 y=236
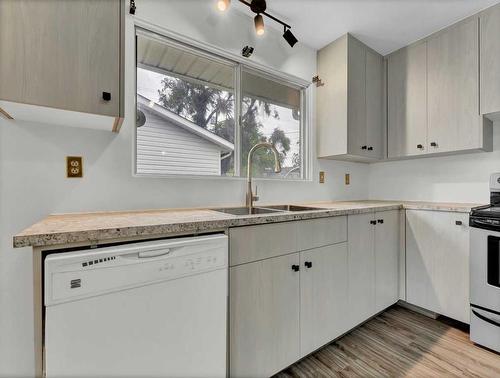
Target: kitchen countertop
x=93 y=228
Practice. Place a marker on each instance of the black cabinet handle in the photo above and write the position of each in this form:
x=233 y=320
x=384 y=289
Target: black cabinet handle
x=434 y=144
x=380 y=221
x=106 y=96
x=370 y=148
x=420 y=147
x=364 y=147
x=308 y=264
x=295 y=268
x=458 y=223
x=373 y=222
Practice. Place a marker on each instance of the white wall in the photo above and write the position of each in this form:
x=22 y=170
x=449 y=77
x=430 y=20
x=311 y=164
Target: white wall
x=459 y=178
x=32 y=167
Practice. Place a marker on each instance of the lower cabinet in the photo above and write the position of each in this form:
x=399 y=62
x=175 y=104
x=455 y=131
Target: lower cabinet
x=264 y=316
x=437 y=262
x=387 y=245
x=323 y=296
x=373 y=257
x=282 y=308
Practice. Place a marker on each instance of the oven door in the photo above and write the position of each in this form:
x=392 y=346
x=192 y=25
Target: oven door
x=485 y=269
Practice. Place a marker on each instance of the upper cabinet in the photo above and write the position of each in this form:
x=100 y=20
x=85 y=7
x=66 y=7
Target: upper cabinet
x=490 y=61
x=62 y=61
x=407 y=101
x=350 y=106
x=453 y=85
x=433 y=95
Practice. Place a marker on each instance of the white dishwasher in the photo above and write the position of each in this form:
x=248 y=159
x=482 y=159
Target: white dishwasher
x=150 y=309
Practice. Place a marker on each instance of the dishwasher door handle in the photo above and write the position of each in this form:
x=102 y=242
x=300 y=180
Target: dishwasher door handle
x=153 y=253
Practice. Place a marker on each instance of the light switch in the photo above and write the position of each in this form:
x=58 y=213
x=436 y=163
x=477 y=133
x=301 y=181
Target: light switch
x=347 y=179
x=74 y=166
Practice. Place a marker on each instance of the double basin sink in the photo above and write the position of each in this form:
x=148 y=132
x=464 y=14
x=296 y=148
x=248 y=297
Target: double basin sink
x=266 y=209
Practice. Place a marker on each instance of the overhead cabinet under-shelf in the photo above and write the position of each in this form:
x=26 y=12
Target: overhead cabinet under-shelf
x=433 y=95
x=62 y=62
x=350 y=101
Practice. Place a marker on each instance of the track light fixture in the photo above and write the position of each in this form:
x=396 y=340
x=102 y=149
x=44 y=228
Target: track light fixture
x=259 y=7
x=222 y=5
x=289 y=37
x=259 y=24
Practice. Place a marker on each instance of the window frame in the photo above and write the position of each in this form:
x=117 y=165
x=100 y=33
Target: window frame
x=238 y=65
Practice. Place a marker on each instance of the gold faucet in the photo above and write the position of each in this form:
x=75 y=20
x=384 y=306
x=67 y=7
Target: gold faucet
x=250 y=198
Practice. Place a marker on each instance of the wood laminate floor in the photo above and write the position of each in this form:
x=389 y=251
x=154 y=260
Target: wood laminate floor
x=400 y=343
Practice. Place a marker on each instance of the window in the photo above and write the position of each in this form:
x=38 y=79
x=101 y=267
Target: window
x=199 y=115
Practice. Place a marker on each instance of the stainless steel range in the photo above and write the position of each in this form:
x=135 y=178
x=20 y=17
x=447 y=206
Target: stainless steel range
x=485 y=270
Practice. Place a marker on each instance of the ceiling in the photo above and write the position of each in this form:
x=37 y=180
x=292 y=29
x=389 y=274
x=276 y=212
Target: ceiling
x=384 y=25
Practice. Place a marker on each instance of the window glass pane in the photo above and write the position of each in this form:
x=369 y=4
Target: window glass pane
x=271 y=112
x=185 y=111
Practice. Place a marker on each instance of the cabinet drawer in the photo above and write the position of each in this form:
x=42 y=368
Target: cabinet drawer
x=316 y=233
x=252 y=243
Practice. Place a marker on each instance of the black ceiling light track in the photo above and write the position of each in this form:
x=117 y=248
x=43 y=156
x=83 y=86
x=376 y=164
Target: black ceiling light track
x=259 y=7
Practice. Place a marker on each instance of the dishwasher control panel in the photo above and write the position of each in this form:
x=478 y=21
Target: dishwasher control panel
x=71 y=276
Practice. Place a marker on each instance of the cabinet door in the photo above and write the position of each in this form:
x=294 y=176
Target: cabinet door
x=374 y=104
x=61 y=54
x=386 y=259
x=453 y=85
x=331 y=99
x=323 y=296
x=264 y=316
x=490 y=60
x=407 y=101
x=437 y=262
x=356 y=98
x=361 y=268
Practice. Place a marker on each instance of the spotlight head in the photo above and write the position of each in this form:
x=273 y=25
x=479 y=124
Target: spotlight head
x=247 y=51
x=289 y=37
x=259 y=24
x=222 y=5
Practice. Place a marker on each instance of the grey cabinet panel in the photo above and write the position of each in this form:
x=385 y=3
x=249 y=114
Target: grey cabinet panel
x=61 y=54
x=323 y=296
x=356 y=97
x=374 y=104
x=331 y=99
x=490 y=60
x=264 y=316
x=258 y=242
x=407 y=101
x=437 y=262
x=315 y=233
x=361 y=268
x=387 y=245
x=453 y=85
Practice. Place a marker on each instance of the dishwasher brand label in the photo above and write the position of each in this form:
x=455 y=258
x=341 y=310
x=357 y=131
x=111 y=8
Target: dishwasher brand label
x=74 y=284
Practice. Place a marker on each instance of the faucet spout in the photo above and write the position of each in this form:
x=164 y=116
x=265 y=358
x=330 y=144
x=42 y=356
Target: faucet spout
x=250 y=198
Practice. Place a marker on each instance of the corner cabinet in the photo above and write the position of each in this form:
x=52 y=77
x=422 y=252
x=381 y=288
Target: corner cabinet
x=433 y=95
x=62 y=61
x=350 y=106
x=373 y=264
x=437 y=262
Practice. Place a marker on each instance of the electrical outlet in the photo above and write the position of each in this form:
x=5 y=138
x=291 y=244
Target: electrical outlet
x=74 y=166
x=321 y=177
x=347 y=179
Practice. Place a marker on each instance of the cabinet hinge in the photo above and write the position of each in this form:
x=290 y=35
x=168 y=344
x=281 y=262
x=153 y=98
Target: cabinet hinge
x=317 y=80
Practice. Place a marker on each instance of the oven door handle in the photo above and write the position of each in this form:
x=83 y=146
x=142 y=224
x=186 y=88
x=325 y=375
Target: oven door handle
x=488 y=320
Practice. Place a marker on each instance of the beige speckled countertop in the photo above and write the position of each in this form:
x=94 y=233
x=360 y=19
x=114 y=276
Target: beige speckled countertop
x=93 y=228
